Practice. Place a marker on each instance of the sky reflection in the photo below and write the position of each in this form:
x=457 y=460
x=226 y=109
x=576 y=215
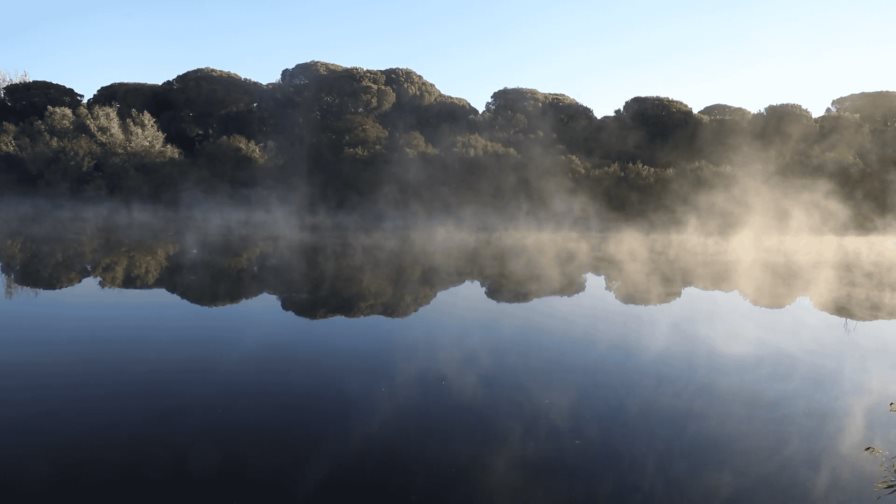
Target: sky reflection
x=706 y=398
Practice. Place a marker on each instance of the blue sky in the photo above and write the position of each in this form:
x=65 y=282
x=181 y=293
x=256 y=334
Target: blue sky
x=601 y=53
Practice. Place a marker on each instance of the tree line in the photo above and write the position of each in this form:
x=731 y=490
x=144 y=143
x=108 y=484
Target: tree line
x=336 y=138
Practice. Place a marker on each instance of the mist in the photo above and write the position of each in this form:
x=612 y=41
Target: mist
x=374 y=147
x=350 y=192
x=316 y=268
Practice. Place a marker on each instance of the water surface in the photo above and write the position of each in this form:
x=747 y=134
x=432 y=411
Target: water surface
x=440 y=367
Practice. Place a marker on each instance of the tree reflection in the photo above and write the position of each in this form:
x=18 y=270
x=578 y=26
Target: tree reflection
x=326 y=273
x=11 y=289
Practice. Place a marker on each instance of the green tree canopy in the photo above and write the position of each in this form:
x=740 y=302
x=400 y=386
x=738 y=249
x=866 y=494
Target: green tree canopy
x=129 y=96
x=877 y=108
x=32 y=98
x=722 y=111
x=520 y=116
x=207 y=103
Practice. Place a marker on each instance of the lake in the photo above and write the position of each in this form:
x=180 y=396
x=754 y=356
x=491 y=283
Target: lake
x=147 y=360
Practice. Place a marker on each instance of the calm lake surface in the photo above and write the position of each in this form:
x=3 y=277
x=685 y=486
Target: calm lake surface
x=186 y=367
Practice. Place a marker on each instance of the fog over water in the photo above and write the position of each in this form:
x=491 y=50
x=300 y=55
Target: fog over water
x=345 y=285
x=339 y=267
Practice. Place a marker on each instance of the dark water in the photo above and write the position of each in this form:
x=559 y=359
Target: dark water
x=468 y=369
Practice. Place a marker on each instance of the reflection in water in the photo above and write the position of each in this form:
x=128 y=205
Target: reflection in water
x=323 y=273
x=128 y=393
x=887 y=483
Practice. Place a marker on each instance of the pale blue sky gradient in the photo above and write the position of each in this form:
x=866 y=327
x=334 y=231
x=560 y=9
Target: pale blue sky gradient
x=750 y=54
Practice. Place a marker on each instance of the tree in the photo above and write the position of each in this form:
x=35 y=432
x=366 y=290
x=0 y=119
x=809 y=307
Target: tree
x=522 y=116
x=205 y=104
x=7 y=78
x=784 y=128
x=658 y=130
x=728 y=112
x=87 y=149
x=725 y=133
x=877 y=108
x=234 y=160
x=410 y=88
x=32 y=98
x=128 y=97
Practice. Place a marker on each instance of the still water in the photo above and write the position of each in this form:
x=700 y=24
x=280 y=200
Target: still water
x=189 y=367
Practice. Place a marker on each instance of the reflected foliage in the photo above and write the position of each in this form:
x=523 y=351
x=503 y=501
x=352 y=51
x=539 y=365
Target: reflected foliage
x=317 y=272
x=887 y=483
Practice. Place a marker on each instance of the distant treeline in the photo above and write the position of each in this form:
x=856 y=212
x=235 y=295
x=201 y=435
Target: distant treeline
x=328 y=137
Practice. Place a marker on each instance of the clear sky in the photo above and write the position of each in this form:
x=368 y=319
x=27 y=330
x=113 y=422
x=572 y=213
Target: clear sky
x=750 y=54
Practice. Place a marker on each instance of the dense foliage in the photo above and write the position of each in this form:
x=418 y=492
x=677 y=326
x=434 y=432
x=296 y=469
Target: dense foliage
x=329 y=137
